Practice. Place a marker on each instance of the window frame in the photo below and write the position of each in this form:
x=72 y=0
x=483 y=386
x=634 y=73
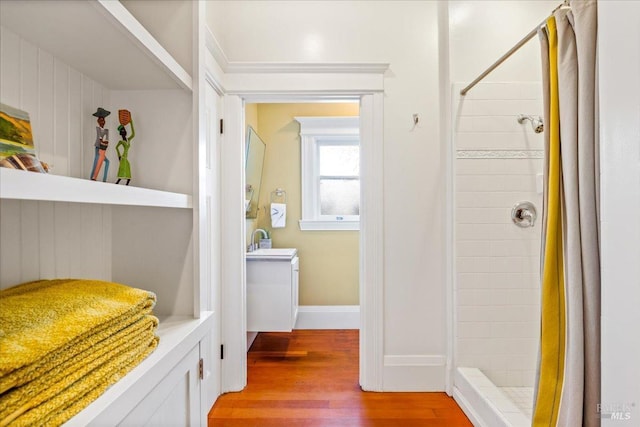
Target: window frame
x=316 y=132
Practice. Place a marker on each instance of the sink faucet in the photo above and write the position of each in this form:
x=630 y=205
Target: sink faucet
x=253 y=246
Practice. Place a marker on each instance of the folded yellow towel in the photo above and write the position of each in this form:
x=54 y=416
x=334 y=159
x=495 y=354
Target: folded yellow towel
x=80 y=392
x=21 y=399
x=44 y=320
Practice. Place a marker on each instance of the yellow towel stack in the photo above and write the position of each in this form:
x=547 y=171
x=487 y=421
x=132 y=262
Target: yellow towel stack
x=64 y=342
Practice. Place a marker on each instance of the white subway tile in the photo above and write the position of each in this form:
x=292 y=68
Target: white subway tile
x=494 y=141
x=518 y=247
x=465 y=248
x=519 y=233
x=474 y=330
x=473 y=280
x=481 y=231
x=532 y=140
x=466 y=297
x=531 y=90
x=505 y=107
x=464 y=124
x=522 y=296
x=470 y=199
x=473 y=166
x=510 y=198
x=520 y=363
x=509 y=183
x=531 y=264
x=498 y=377
x=465 y=107
x=529 y=167
x=506 y=280
x=499 y=361
x=514 y=329
x=506 y=265
x=522 y=313
x=463 y=359
x=529 y=378
x=473 y=264
x=477 y=183
x=499 y=297
x=496 y=90
x=483 y=216
x=495 y=123
x=469 y=314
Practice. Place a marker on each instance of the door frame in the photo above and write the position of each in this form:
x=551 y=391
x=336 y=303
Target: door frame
x=302 y=83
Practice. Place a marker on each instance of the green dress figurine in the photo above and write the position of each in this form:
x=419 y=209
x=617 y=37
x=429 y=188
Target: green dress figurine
x=124 y=171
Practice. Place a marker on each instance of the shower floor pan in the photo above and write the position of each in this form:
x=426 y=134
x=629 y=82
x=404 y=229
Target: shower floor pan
x=487 y=405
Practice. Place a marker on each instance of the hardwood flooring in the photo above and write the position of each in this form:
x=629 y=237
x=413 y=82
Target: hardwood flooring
x=310 y=378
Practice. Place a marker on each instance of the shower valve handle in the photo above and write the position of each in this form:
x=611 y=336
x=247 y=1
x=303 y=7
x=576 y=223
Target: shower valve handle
x=523 y=214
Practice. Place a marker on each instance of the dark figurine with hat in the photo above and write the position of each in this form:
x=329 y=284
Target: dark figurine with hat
x=101 y=145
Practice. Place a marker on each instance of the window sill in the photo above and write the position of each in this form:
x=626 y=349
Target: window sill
x=313 y=225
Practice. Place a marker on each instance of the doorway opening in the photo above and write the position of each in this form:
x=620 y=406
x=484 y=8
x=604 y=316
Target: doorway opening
x=312 y=172
x=234 y=235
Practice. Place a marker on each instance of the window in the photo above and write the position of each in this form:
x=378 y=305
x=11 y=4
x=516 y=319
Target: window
x=330 y=173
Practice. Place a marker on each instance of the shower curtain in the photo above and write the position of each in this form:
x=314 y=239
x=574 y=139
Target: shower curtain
x=568 y=379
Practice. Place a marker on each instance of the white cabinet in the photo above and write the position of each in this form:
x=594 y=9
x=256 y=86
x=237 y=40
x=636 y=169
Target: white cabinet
x=272 y=292
x=60 y=61
x=173 y=402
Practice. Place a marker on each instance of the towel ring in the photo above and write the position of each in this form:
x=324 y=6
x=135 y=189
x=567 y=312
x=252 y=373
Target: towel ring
x=278 y=193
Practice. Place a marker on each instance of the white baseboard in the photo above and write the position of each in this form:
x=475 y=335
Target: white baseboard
x=328 y=317
x=414 y=373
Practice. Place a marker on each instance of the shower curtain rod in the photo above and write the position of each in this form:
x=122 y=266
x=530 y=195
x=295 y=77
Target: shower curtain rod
x=511 y=51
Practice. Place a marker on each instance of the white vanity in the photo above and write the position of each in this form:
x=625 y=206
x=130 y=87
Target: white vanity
x=272 y=289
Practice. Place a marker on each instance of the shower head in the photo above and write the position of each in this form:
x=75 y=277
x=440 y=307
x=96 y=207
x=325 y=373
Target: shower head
x=536 y=122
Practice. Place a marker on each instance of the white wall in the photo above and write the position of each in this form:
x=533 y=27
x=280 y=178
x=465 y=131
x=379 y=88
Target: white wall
x=497 y=263
x=170 y=22
x=619 y=67
x=39 y=238
x=352 y=31
x=483 y=31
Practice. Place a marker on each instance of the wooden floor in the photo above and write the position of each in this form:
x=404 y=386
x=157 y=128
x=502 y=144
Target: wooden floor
x=310 y=378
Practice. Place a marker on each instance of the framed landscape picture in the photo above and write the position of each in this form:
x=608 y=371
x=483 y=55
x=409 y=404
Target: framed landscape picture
x=17 y=150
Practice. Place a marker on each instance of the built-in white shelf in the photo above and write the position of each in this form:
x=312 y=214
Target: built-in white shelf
x=23 y=185
x=176 y=333
x=99 y=38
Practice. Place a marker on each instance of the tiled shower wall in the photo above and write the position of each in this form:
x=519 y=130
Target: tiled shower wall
x=498 y=163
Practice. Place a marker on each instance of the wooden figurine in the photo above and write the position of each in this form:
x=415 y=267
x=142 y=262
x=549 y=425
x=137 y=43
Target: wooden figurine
x=101 y=145
x=124 y=171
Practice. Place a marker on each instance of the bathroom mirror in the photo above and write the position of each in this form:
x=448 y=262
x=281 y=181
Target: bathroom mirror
x=255 y=149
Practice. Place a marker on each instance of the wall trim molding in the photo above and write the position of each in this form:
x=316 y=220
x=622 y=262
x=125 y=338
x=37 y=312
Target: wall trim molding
x=420 y=372
x=241 y=67
x=213 y=46
x=306 y=67
x=318 y=225
x=500 y=154
x=328 y=317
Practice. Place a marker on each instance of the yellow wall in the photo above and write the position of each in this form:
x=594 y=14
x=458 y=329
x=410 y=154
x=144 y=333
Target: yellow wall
x=329 y=260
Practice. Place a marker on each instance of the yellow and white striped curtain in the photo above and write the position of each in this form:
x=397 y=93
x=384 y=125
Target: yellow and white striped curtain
x=568 y=380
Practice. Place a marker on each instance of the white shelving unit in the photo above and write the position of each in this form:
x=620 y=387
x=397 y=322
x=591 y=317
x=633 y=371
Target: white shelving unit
x=21 y=185
x=59 y=61
x=100 y=39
